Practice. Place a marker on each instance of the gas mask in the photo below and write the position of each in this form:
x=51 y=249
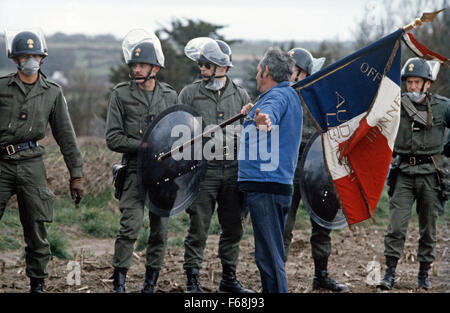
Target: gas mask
x=415 y=96
x=214 y=84
x=30 y=66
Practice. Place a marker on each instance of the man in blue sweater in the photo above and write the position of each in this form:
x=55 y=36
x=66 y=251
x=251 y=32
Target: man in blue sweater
x=268 y=157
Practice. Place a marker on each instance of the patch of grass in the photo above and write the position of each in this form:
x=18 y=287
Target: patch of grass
x=58 y=243
x=141 y=243
x=99 y=222
x=9 y=243
x=382 y=210
x=248 y=228
x=302 y=219
x=65 y=212
x=11 y=234
x=214 y=227
x=175 y=241
x=179 y=223
x=96 y=213
x=103 y=198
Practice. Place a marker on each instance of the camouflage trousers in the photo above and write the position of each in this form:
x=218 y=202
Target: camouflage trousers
x=409 y=188
x=27 y=179
x=132 y=208
x=320 y=237
x=219 y=186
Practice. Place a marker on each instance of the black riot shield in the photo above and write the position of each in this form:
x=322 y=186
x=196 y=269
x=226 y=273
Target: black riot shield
x=169 y=186
x=317 y=189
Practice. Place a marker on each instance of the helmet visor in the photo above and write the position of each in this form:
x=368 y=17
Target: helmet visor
x=206 y=48
x=139 y=36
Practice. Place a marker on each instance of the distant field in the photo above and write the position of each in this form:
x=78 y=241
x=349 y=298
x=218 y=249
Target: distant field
x=68 y=53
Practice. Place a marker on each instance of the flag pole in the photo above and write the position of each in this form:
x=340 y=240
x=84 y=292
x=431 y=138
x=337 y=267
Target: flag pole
x=426 y=17
x=205 y=134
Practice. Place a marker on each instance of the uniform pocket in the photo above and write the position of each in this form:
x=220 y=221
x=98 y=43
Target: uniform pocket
x=128 y=182
x=45 y=209
x=5 y=114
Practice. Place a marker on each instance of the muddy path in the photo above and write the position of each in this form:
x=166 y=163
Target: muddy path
x=351 y=254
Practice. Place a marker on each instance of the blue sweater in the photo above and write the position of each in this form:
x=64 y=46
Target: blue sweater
x=272 y=156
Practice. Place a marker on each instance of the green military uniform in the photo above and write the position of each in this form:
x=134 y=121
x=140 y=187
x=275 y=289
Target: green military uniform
x=320 y=236
x=417 y=179
x=130 y=111
x=25 y=112
x=220 y=183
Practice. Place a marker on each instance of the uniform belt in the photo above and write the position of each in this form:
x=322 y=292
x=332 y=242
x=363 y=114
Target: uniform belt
x=416 y=159
x=12 y=149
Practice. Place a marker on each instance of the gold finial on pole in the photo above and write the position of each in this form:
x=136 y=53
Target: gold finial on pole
x=426 y=17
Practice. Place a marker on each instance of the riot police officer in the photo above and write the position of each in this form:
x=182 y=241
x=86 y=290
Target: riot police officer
x=419 y=146
x=216 y=98
x=132 y=106
x=305 y=65
x=28 y=103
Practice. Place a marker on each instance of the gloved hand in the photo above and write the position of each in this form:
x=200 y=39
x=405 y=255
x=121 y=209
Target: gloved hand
x=77 y=189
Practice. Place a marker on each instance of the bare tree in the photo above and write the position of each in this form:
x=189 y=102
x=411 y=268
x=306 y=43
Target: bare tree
x=383 y=17
x=87 y=103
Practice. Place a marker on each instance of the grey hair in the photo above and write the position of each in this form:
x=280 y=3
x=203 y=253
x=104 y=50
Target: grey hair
x=280 y=64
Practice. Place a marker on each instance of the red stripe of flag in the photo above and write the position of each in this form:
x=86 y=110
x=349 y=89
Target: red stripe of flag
x=416 y=46
x=370 y=171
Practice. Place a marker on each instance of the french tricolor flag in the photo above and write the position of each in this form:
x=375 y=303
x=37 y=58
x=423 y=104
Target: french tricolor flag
x=355 y=104
x=421 y=51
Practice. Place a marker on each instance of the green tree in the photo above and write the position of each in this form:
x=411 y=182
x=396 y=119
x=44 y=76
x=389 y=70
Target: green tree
x=332 y=51
x=250 y=82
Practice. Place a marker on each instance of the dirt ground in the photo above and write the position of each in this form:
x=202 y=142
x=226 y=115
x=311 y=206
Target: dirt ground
x=352 y=252
x=348 y=263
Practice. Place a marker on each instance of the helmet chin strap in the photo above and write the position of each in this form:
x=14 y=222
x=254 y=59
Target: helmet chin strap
x=298 y=74
x=213 y=75
x=132 y=77
x=296 y=79
x=421 y=88
x=210 y=77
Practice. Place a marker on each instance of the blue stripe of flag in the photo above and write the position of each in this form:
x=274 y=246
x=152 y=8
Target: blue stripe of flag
x=347 y=88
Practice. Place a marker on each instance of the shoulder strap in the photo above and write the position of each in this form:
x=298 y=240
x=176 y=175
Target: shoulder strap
x=412 y=112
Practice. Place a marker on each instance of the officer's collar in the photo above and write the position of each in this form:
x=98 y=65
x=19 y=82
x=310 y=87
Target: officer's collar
x=41 y=80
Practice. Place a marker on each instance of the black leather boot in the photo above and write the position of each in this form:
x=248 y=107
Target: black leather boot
x=229 y=283
x=151 y=277
x=193 y=282
x=119 y=276
x=422 y=278
x=389 y=276
x=36 y=285
x=321 y=279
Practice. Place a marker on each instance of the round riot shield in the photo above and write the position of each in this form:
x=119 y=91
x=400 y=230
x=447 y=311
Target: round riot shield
x=169 y=186
x=317 y=189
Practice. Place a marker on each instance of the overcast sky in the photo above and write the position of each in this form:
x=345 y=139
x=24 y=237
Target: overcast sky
x=274 y=20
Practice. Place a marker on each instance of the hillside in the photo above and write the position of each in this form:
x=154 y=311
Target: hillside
x=96 y=54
